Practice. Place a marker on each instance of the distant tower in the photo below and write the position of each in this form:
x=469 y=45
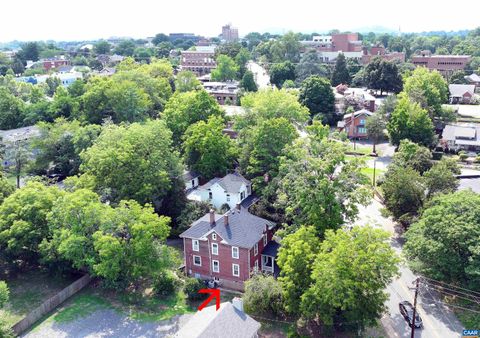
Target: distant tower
x=229 y=33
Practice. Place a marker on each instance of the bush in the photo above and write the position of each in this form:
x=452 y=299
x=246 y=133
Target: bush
x=437 y=155
x=166 y=283
x=192 y=286
x=5 y=330
x=4 y=293
x=477 y=159
x=263 y=295
x=462 y=155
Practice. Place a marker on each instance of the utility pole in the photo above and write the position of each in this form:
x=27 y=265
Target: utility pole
x=374 y=167
x=414 y=307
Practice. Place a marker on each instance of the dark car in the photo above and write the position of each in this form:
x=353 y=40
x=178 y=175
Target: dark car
x=406 y=309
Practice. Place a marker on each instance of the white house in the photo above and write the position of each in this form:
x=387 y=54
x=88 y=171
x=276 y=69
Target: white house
x=231 y=189
x=191 y=179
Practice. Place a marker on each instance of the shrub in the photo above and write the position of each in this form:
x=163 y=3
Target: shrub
x=192 y=286
x=477 y=159
x=263 y=295
x=4 y=293
x=462 y=155
x=166 y=283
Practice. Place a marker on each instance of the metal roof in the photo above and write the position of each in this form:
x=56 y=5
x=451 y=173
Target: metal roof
x=231 y=183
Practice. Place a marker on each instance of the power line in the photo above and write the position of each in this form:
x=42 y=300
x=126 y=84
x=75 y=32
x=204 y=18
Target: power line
x=451 y=285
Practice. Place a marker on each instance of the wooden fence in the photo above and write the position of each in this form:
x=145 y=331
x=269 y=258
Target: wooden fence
x=50 y=304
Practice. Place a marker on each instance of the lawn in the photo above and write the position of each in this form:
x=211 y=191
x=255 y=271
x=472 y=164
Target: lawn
x=30 y=289
x=369 y=173
x=361 y=149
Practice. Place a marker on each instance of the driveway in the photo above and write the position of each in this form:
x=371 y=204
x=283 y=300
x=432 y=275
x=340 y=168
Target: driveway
x=107 y=323
x=439 y=321
x=260 y=74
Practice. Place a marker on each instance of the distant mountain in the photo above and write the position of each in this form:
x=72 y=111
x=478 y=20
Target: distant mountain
x=376 y=29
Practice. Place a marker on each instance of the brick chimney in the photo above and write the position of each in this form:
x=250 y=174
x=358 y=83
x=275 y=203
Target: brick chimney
x=239 y=206
x=225 y=219
x=212 y=217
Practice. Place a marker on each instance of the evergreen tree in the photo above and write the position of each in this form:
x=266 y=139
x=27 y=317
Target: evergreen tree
x=340 y=72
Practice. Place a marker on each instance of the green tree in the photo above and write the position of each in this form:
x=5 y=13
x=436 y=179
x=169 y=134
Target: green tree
x=295 y=260
x=375 y=125
x=410 y=121
x=185 y=109
x=159 y=38
x=18 y=154
x=241 y=60
x=280 y=72
x=263 y=295
x=53 y=83
x=248 y=82
x=350 y=274
x=310 y=65
x=12 y=110
x=186 y=81
x=6 y=188
x=404 y=192
x=443 y=243
x=129 y=103
x=291 y=45
x=63 y=104
x=29 y=51
x=383 y=75
x=428 y=89
x=133 y=162
x=458 y=77
x=4 y=294
x=23 y=221
x=412 y=155
x=340 y=73
x=263 y=145
x=125 y=48
x=441 y=177
x=207 y=149
x=318 y=185
x=226 y=69
x=316 y=94
x=102 y=47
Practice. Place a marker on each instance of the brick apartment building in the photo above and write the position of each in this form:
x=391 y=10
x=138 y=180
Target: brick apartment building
x=229 y=33
x=229 y=248
x=445 y=64
x=54 y=63
x=380 y=51
x=200 y=61
x=329 y=47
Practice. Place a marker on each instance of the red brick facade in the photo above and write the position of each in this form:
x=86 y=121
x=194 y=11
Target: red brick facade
x=200 y=63
x=246 y=260
x=445 y=64
x=50 y=64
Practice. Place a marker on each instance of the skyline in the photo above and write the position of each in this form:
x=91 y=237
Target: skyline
x=97 y=20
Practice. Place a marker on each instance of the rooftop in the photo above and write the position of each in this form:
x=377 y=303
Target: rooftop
x=231 y=182
x=458 y=90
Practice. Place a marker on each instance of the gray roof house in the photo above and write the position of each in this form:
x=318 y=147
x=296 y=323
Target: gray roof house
x=229 y=321
x=459 y=137
x=461 y=93
x=219 y=192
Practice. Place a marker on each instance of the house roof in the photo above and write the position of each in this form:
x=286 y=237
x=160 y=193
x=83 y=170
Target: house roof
x=231 y=183
x=357 y=113
x=189 y=175
x=458 y=90
x=462 y=135
x=226 y=322
x=473 y=78
x=243 y=228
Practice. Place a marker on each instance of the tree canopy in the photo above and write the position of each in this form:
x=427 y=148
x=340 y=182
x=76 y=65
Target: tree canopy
x=316 y=94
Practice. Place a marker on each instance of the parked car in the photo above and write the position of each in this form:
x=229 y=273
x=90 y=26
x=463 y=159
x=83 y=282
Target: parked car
x=406 y=309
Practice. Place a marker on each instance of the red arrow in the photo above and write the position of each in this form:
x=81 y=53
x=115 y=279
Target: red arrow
x=215 y=293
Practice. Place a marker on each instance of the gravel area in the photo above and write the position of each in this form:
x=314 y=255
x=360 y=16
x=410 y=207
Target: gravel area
x=107 y=323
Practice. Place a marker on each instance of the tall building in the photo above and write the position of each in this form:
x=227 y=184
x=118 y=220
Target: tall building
x=445 y=64
x=229 y=33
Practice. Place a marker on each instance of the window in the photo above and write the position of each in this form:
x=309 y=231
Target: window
x=195 y=246
x=362 y=121
x=264 y=239
x=215 y=266
x=197 y=260
x=255 y=268
x=362 y=130
x=214 y=237
x=235 y=252
x=214 y=249
x=210 y=195
x=242 y=195
x=236 y=270
x=228 y=197
x=255 y=249
x=193 y=183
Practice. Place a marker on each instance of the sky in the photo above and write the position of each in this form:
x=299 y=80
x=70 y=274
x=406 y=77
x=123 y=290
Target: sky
x=29 y=20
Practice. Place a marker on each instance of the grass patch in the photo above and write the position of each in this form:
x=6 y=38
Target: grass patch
x=369 y=173
x=81 y=305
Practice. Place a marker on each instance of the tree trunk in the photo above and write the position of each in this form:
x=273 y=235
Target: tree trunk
x=374 y=147
x=18 y=181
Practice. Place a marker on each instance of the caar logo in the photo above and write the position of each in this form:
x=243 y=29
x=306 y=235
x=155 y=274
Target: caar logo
x=470 y=333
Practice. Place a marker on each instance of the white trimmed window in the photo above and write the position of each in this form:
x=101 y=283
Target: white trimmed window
x=214 y=237
x=195 y=245
x=255 y=268
x=264 y=239
x=236 y=270
x=255 y=249
x=235 y=252
x=215 y=266
x=197 y=260
x=214 y=249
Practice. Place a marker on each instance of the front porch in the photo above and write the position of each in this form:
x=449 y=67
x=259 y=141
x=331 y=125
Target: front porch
x=269 y=255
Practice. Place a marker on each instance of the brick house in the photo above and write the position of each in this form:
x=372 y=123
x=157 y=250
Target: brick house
x=229 y=248
x=354 y=124
x=461 y=93
x=54 y=63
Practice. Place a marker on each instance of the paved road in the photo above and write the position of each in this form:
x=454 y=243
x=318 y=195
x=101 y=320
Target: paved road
x=260 y=74
x=439 y=322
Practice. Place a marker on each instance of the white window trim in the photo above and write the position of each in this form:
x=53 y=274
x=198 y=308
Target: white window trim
x=213 y=265
x=255 y=249
x=238 y=252
x=265 y=239
x=195 y=241
x=200 y=257
x=255 y=267
x=214 y=236
x=233 y=270
x=215 y=245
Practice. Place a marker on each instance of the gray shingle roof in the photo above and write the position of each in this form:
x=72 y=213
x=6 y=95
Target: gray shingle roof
x=458 y=90
x=243 y=229
x=231 y=182
x=189 y=175
x=226 y=322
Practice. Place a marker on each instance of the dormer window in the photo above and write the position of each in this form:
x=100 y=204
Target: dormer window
x=214 y=237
